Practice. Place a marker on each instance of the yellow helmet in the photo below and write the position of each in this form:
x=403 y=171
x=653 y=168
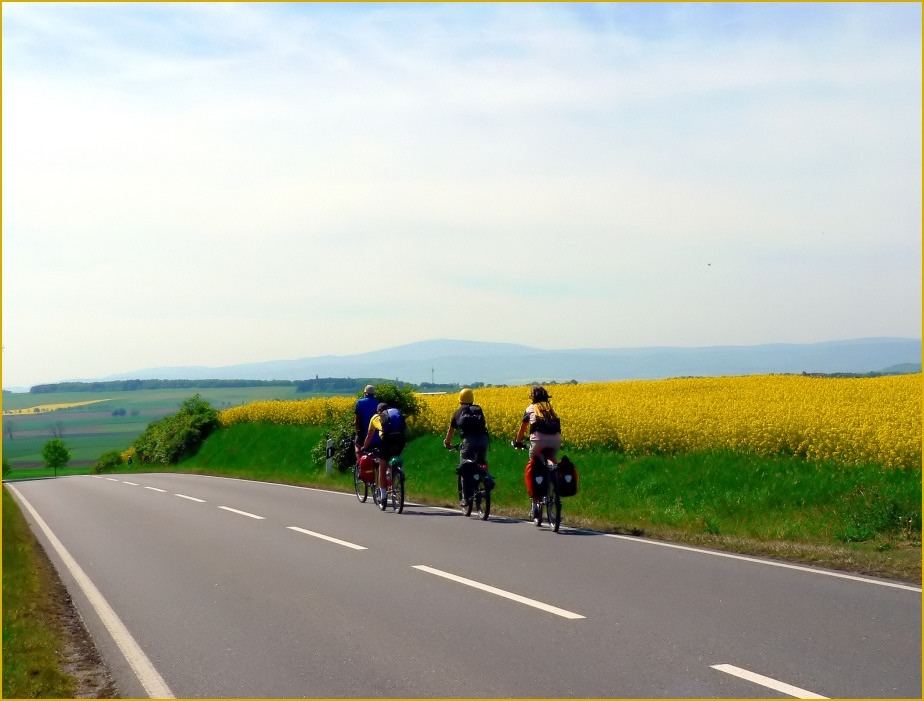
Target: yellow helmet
x=466 y=396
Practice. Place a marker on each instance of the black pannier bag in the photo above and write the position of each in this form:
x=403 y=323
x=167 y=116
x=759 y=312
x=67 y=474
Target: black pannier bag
x=537 y=477
x=567 y=477
x=468 y=470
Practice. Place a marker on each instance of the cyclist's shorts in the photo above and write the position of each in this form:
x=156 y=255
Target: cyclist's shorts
x=389 y=449
x=543 y=442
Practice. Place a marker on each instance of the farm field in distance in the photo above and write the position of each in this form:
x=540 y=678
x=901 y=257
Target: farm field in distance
x=92 y=423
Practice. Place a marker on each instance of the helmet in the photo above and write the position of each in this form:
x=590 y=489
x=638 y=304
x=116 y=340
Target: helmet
x=538 y=393
x=369 y=391
x=466 y=396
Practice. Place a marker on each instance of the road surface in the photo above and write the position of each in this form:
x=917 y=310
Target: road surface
x=197 y=587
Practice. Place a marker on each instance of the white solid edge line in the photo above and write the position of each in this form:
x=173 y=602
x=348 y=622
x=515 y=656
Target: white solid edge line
x=183 y=496
x=500 y=592
x=327 y=537
x=153 y=683
x=782 y=687
x=812 y=570
x=242 y=513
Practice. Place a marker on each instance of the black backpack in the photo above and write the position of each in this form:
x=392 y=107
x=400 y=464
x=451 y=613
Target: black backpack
x=471 y=420
x=547 y=420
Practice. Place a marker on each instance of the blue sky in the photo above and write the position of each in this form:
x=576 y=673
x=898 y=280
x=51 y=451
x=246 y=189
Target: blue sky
x=213 y=184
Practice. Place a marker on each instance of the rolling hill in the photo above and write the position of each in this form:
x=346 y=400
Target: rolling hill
x=446 y=361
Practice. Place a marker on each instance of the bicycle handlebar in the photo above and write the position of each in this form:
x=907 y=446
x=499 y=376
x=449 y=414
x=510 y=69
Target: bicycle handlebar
x=519 y=445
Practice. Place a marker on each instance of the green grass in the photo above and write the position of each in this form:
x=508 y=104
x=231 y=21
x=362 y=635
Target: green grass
x=91 y=430
x=862 y=518
x=32 y=634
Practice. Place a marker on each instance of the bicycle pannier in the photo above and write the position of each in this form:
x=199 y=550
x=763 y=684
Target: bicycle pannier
x=537 y=475
x=468 y=471
x=567 y=477
x=367 y=468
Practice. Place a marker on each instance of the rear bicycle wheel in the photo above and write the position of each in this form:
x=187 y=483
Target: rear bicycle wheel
x=553 y=506
x=397 y=490
x=464 y=504
x=362 y=489
x=483 y=502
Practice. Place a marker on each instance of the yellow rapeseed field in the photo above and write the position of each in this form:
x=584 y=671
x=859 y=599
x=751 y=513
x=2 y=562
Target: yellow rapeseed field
x=42 y=408
x=850 y=420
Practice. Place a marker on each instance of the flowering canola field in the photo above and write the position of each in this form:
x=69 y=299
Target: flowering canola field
x=850 y=420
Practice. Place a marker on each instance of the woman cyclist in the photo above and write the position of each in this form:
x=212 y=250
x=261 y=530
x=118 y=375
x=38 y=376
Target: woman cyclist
x=544 y=429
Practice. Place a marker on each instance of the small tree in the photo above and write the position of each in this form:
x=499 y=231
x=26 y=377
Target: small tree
x=56 y=454
x=7 y=468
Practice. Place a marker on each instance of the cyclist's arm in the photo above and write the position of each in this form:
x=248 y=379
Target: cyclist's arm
x=523 y=428
x=449 y=434
x=374 y=424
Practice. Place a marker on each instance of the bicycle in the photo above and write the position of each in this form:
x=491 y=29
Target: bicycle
x=550 y=501
x=473 y=477
x=364 y=479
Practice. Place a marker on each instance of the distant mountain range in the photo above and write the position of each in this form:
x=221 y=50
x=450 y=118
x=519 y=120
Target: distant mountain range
x=449 y=361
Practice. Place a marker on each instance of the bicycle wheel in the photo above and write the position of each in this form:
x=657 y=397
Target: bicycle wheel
x=553 y=506
x=483 y=501
x=465 y=504
x=362 y=489
x=397 y=490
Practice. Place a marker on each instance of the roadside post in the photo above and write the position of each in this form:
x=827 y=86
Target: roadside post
x=330 y=456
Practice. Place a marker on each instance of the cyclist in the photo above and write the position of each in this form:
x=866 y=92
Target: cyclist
x=470 y=421
x=544 y=429
x=388 y=425
x=366 y=408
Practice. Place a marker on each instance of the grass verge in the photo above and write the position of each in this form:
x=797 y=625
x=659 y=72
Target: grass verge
x=32 y=631
x=862 y=518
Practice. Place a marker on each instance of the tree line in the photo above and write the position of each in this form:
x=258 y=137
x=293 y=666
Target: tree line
x=319 y=385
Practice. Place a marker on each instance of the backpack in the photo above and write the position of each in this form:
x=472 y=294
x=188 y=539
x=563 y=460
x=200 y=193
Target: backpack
x=393 y=426
x=471 y=420
x=567 y=477
x=547 y=420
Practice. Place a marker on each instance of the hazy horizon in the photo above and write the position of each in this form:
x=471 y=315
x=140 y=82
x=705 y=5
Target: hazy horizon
x=224 y=183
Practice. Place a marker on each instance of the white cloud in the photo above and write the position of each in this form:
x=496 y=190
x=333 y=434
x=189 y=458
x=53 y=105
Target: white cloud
x=232 y=172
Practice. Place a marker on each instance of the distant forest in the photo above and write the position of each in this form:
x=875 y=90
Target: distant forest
x=323 y=385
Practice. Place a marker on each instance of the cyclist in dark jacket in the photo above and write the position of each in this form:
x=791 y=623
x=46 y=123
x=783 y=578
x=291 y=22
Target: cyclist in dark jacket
x=470 y=421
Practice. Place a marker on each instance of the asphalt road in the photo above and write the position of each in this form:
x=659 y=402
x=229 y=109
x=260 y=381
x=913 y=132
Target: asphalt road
x=199 y=587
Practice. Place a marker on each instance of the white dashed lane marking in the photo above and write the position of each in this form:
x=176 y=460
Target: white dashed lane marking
x=767 y=682
x=500 y=592
x=242 y=513
x=344 y=543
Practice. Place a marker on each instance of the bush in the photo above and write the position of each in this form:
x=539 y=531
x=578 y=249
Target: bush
x=108 y=462
x=174 y=437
